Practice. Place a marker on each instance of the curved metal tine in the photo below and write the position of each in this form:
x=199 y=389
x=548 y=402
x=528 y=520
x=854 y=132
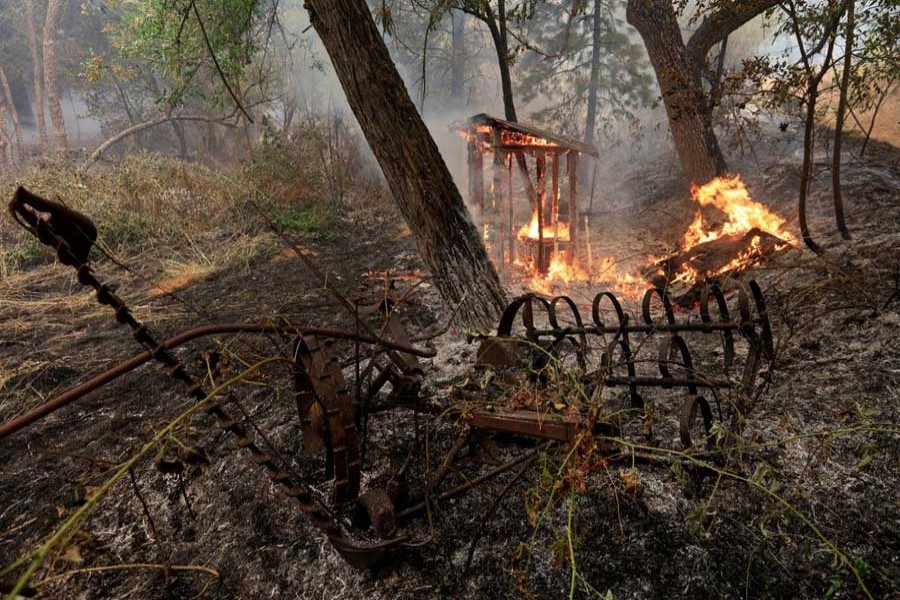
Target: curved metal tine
x=504 y=327
x=724 y=317
x=600 y=325
x=686 y=418
x=580 y=344
x=646 y=306
x=763 y=319
x=666 y=347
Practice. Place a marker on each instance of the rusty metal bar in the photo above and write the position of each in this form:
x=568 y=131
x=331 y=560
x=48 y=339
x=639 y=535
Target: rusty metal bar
x=664 y=327
x=134 y=362
x=667 y=382
x=468 y=485
x=529 y=423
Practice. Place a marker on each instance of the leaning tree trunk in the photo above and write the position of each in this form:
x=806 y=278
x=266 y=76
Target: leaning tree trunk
x=679 y=78
x=37 y=74
x=51 y=24
x=447 y=239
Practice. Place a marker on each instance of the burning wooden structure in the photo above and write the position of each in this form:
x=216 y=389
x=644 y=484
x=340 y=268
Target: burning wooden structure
x=548 y=230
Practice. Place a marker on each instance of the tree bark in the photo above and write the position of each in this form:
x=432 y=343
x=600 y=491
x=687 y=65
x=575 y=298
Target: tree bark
x=38 y=74
x=51 y=24
x=839 y=125
x=448 y=241
x=13 y=113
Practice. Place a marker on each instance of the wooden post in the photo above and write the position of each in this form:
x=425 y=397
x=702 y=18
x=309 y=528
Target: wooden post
x=497 y=192
x=541 y=169
x=554 y=203
x=572 y=169
x=470 y=161
x=478 y=185
x=587 y=239
x=512 y=209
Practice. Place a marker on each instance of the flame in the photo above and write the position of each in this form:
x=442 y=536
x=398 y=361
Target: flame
x=742 y=214
x=730 y=195
x=517 y=138
x=532 y=230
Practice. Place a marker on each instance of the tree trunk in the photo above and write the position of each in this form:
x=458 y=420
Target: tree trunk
x=448 y=241
x=679 y=77
x=13 y=113
x=839 y=125
x=38 y=74
x=4 y=141
x=497 y=27
x=51 y=24
x=458 y=59
x=591 y=121
x=806 y=168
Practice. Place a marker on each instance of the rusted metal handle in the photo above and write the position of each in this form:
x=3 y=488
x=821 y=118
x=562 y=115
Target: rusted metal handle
x=79 y=233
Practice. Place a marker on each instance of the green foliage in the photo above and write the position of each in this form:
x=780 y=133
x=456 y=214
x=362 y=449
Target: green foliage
x=317 y=220
x=186 y=39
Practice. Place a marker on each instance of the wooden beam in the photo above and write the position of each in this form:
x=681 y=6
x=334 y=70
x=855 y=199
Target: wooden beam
x=478 y=172
x=572 y=169
x=541 y=171
x=554 y=203
x=512 y=209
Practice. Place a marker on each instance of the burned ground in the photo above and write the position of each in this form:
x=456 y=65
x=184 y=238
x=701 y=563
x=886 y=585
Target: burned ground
x=823 y=437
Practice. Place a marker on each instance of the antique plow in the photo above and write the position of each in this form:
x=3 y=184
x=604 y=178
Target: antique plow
x=318 y=381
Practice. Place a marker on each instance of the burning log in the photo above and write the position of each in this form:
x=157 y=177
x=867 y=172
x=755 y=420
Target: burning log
x=726 y=255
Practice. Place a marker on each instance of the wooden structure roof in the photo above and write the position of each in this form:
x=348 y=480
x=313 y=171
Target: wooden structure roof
x=558 y=140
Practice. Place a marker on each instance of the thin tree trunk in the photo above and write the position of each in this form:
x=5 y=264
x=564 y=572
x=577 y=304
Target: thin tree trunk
x=458 y=58
x=4 y=141
x=812 y=95
x=51 y=83
x=806 y=168
x=448 y=241
x=13 y=113
x=681 y=87
x=38 y=76
x=839 y=126
x=591 y=121
x=497 y=27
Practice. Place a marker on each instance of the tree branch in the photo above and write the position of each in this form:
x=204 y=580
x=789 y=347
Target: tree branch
x=95 y=156
x=733 y=15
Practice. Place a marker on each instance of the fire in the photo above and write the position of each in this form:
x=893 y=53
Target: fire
x=742 y=215
x=532 y=230
x=730 y=195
